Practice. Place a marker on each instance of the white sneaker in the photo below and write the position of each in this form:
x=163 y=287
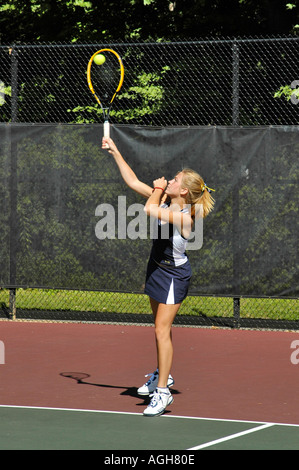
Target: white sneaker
x=151 y=385
x=159 y=402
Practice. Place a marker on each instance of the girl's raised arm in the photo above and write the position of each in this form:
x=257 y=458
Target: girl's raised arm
x=126 y=171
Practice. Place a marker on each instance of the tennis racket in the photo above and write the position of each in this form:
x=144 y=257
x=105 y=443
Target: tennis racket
x=105 y=80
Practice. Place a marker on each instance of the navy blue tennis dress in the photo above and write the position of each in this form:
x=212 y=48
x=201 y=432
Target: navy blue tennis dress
x=168 y=270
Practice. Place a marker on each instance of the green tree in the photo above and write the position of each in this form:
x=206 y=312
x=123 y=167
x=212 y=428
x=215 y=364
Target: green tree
x=110 y=20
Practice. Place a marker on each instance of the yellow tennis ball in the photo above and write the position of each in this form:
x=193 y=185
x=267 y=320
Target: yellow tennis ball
x=99 y=59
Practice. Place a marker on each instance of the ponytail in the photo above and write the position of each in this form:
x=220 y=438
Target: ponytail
x=199 y=194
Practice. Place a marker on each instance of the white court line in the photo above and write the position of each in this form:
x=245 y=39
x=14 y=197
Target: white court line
x=232 y=436
x=166 y=416
x=80 y=410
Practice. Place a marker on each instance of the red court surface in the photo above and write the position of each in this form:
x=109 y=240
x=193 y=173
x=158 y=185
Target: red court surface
x=223 y=374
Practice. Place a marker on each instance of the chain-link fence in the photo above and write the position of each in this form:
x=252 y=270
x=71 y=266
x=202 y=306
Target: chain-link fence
x=48 y=190
x=120 y=307
x=221 y=82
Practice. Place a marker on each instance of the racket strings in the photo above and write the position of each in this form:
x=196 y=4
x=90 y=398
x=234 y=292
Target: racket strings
x=105 y=78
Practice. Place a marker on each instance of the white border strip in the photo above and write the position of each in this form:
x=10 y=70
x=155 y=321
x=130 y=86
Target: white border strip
x=232 y=436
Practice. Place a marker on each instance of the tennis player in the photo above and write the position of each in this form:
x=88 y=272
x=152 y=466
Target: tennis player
x=174 y=205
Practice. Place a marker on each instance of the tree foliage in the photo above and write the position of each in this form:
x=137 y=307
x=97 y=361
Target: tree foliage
x=110 y=20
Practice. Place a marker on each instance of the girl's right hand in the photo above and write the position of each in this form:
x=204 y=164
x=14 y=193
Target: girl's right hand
x=108 y=144
x=160 y=183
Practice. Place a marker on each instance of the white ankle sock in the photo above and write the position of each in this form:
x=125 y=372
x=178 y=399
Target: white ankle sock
x=163 y=389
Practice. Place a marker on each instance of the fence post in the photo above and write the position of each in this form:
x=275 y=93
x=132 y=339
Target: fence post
x=13 y=189
x=12 y=304
x=235 y=196
x=236 y=71
x=14 y=83
x=236 y=252
x=236 y=317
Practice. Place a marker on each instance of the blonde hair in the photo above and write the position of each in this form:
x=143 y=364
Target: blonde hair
x=199 y=196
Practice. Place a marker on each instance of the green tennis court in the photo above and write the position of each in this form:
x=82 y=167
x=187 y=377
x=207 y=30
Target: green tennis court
x=61 y=429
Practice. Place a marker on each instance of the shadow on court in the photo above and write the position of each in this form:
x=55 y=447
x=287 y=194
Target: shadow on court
x=80 y=378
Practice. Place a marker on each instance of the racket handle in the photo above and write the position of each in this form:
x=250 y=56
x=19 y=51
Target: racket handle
x=106 y=131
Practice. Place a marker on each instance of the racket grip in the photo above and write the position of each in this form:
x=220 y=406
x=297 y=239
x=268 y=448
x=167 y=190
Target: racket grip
x=106 y=131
